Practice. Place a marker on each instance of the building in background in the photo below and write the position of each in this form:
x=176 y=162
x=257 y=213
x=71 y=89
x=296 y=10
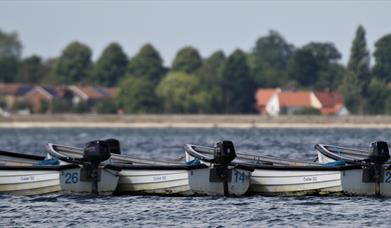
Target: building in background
x=274 y=102
x=16 y=97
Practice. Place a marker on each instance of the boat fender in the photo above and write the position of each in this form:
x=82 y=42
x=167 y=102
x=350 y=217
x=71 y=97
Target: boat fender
x=96 y=151
x=224 y=152
x=379 y=152
x=114 y=146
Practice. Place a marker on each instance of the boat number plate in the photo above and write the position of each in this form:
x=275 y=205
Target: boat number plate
x=239 y=177
x=387 y=178
x=71 y=178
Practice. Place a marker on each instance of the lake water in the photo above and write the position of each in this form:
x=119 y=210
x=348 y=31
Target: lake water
x=152 y=211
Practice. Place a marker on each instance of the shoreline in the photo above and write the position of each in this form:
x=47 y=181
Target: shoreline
x=193 y=121
x=20 y=125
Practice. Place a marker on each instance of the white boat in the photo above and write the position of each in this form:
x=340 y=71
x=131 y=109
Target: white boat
x=372 y=173
x=331 y=153
x=231 y=179
x=142 y=176
x=159 y=179
x=281 y=176
x=90 y=175
x=22 y=174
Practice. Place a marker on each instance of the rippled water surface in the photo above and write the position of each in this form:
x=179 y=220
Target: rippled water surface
x=255 y=211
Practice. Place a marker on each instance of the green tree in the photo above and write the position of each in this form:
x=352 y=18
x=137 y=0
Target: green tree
x=10 y=45
x=148 y=64
x=110 y=67
x=387 y=104
x=8 y=69
x=359 y=58
x=356 y=80
x=180 y=93
x=210 y=71
x=382 y=54
x=314 y=66
x=10 y=52
x=351 y=88
x=137 y=95
x=377 y=95
x=269 y=60
x=107 y=106
x=210 y=78
x=31 y=70
x=187 y=60
x=74 y=64
x=237 y=84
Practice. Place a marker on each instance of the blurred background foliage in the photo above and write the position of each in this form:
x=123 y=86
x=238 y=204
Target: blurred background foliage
x=219 y=83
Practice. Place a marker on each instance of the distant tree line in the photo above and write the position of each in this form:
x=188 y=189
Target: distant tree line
x=217 y=83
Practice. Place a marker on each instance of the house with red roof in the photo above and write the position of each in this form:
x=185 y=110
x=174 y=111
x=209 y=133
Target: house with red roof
x=265 y=100
x=275 y=102
x=12 y=93
x=331 y=103
x=92 y=94
x=46 y=95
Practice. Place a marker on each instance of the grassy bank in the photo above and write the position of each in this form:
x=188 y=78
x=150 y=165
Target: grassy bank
x=194 y=121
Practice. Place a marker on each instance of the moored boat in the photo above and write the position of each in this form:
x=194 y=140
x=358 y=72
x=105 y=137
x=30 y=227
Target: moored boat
x=372 y=175
x=23 y=174
x=281 y=176
x=142 y=176
x=90 y=175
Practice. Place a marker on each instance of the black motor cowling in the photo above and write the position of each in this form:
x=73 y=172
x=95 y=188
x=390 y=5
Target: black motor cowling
x=114 y=146
x=379 y=152
x=224 y=152
x=96 y=151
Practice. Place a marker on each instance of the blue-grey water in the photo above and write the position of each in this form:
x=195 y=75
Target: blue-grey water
x=57 y=210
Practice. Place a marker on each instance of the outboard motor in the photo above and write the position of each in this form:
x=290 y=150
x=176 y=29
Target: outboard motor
x=379 y=152
x=94 y=153
x=224 y=153
x=114 y=146
x=373 y=171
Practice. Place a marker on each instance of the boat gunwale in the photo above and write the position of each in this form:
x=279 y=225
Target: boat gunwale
x=159 y=167
x=38 y=167
x=191 y=149
x=21 y=155
x=323 y=149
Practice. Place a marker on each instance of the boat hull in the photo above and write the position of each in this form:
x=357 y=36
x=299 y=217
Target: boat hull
x=352 y=184
x=352 y=180
x=238 y=184
x=294 y=182
x=71 y=180
x=161 y=182
x=178 y=180
x=29 y=182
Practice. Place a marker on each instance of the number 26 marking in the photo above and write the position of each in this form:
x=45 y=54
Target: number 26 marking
x=71 y=178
